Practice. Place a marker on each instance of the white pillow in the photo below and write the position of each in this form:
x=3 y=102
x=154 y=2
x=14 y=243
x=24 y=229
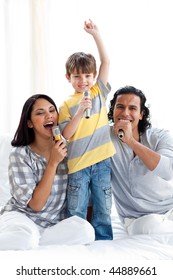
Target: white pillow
x=5 y=148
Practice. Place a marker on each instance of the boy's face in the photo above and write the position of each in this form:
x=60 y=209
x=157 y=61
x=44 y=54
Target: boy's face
x=81 y=81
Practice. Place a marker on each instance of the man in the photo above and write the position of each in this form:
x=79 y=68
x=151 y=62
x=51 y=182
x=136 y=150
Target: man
x=142 y=168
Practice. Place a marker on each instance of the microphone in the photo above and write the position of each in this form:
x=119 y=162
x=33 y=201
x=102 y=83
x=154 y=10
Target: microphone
x=87 y=112
x=120 y=134
x=56 y=133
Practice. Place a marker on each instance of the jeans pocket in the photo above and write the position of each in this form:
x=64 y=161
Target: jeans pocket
x=72 y=196
x=107 y=163
x=108 y=198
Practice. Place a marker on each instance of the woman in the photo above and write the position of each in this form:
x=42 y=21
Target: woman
x=38 y=179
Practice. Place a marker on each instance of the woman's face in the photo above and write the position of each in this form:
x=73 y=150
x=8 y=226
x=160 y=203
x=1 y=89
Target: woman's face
x=43 y=117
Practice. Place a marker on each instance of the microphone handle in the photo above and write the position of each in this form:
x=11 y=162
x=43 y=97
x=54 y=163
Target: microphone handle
x=56 y=133
x=87 y=112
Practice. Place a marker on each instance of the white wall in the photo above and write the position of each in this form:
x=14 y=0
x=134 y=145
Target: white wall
x=138 y=35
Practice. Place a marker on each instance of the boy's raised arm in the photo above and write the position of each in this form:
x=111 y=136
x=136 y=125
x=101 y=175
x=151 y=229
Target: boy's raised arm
x=92 y=29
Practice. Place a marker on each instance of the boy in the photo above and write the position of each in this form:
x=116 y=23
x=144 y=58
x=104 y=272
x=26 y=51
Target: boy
x=89 y=144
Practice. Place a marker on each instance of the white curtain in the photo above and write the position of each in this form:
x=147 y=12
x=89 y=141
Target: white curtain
x=15 y=57
x=37 y=36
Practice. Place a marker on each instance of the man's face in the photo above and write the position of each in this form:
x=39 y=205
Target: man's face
x=127 y=107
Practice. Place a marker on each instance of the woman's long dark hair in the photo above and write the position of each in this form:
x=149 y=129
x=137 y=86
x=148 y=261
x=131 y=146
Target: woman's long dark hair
x=145 y=122
x=25 y=135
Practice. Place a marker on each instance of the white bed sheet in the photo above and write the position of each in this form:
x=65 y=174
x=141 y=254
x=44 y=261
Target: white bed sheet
x=123 y=247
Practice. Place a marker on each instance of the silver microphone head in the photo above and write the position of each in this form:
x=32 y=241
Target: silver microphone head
x=56 y=133
x=87 y=112
x=120 y=134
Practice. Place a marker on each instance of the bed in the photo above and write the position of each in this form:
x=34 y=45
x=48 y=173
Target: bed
x=122 y=249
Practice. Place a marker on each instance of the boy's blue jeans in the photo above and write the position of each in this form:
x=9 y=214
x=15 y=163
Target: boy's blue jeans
x=95 y=181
